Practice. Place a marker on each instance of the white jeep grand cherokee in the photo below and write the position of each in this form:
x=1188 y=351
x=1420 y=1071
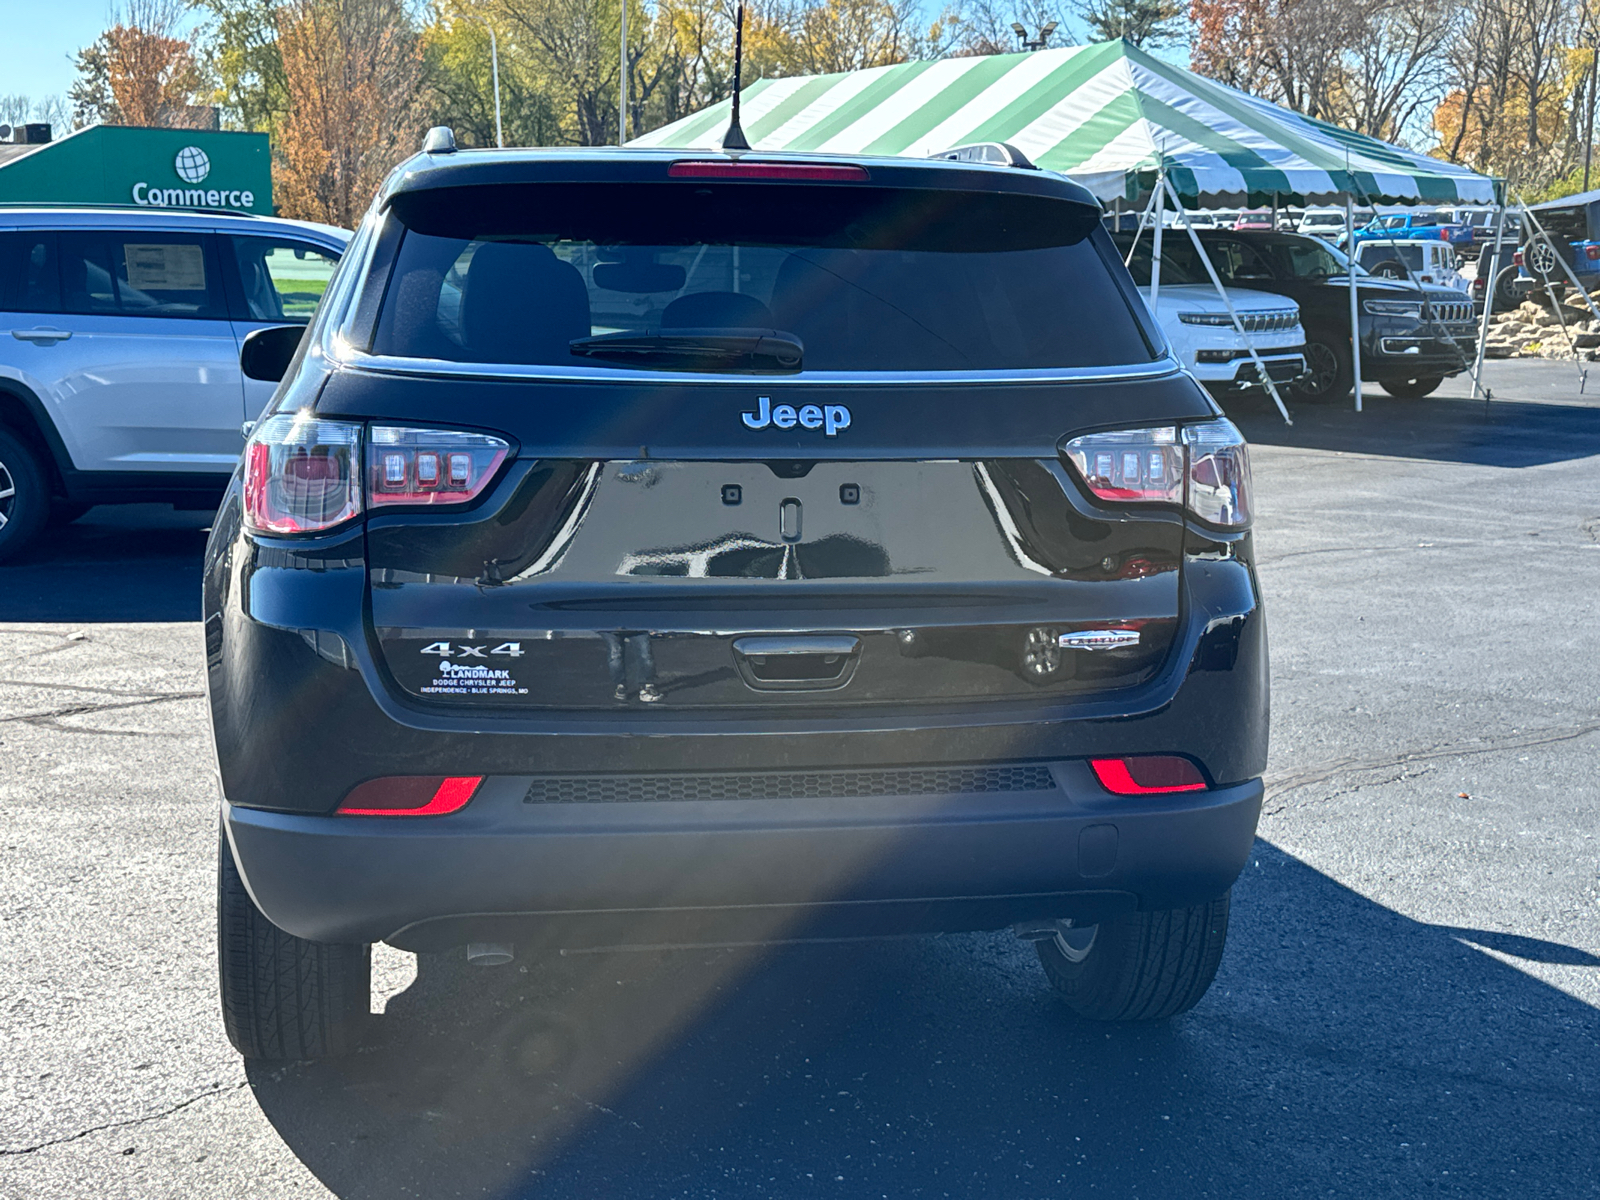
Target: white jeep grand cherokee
x=119 y=352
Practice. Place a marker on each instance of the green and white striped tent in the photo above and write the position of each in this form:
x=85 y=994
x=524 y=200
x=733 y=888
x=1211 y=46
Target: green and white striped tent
x=1108 y=115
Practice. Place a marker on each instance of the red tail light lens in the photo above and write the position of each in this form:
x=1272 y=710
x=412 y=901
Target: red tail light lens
x=1147 y=775
x=410 y=796
x=1591 y=253
x=430 y=466
x=1136 y=464
x=301 y=474
x=1516 y=258
x=1205 y=467
x=739 y=169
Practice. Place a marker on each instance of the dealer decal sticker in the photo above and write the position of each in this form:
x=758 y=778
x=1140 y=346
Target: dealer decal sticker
x=472 y=679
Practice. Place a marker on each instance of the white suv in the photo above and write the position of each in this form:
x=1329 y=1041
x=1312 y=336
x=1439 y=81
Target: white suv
x=120 y=333
x=1202 y=333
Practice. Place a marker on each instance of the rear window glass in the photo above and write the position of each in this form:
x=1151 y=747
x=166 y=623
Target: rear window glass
x=1376 y=253
x=864 y=278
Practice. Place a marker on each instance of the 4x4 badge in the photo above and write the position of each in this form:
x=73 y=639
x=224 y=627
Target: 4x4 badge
x=830 y=418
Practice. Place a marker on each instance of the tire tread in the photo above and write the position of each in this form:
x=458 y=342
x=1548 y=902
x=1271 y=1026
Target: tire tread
x=1144 y=966
x=284 y=997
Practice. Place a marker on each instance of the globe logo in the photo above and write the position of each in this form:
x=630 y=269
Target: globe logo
x=192 y=164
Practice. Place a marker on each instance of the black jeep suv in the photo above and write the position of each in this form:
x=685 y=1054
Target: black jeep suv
x=646 y=547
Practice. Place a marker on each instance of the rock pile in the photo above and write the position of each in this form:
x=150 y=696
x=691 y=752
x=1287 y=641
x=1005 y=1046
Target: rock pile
x=1533 y=330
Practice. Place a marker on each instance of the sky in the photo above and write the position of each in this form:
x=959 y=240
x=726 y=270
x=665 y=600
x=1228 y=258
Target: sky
x=41 y=36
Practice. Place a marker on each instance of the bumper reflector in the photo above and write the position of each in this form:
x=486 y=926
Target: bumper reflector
x=1147 y=775
x=410 y=796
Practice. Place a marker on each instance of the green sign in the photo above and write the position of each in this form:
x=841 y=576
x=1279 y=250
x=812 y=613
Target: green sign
x=145 y=168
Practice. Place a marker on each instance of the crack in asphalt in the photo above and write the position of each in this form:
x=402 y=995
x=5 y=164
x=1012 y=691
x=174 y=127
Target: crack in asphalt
x=51 y=718
x=1284 y=784
x=214 y=1090
x=43 y=685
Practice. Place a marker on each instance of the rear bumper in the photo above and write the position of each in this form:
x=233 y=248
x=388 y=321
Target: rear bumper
x=708 y=871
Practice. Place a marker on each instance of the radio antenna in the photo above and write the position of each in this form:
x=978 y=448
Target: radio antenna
x=734 y=139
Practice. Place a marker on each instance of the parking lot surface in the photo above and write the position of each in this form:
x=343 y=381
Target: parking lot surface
x=1409 y=1004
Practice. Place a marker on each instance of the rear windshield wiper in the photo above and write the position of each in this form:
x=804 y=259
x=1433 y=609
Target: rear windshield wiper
x=764 y=350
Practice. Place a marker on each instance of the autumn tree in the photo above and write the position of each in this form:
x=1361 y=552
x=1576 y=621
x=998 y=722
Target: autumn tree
x=140 y=72
x=353 y=71
x=1515 y=90
x=90 y=93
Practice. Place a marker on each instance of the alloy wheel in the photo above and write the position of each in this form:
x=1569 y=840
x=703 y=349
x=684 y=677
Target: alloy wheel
x=8 y=494
x=1323 y=367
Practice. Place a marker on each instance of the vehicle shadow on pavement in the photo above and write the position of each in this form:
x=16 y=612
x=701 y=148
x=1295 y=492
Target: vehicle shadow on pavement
x=129 y=563
x=1345 y=1050
x=1506 y=433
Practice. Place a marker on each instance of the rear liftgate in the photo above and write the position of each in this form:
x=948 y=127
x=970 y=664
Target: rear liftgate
x=782 y=584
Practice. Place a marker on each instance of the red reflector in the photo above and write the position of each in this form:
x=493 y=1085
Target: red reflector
x=1147 y=774
x=829 y=172
x=410 y=796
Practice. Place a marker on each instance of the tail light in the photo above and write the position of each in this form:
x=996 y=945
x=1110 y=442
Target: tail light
x=301 y=474
x=429 y=466
x=410 y=796
x=1205 y=468
x=1516 y=258
x=1591 y=253
x=1444 y=234
x=1147 y=775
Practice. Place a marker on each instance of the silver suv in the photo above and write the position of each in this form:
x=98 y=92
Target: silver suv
x=120 y=334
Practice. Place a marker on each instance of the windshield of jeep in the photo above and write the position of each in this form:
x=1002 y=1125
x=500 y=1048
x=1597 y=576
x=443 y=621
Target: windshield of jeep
x=862 y=278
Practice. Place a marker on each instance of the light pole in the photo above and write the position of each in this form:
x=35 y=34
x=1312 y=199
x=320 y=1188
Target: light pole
x=494 y=66
x=1037 y=44
x=622 y=94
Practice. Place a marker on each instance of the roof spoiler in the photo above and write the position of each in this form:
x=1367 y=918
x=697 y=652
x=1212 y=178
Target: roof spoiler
x=999 y=154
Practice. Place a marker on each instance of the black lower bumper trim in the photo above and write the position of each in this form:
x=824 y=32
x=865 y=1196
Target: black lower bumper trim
x=727 y=870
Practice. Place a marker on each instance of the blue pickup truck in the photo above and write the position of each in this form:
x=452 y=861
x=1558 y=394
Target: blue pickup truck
x=1431 y=226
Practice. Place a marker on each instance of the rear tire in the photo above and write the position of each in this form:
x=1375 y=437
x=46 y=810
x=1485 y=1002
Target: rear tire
x=1505 y=294
x=1144 y=966
x=24 y=495
x=282 y=996
x=1412 y=389
x=1330 y=375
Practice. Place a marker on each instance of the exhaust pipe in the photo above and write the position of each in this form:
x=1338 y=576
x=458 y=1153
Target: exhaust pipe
x=489 y=954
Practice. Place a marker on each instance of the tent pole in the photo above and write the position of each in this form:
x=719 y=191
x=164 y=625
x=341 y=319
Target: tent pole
x=1355 y=301
x=1488 y=304
x=1155 y=239
x=1238 y=325
x=1127 y=259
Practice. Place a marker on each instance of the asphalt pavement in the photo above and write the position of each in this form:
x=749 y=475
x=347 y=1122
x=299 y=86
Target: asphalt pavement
x=1409 y=1004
